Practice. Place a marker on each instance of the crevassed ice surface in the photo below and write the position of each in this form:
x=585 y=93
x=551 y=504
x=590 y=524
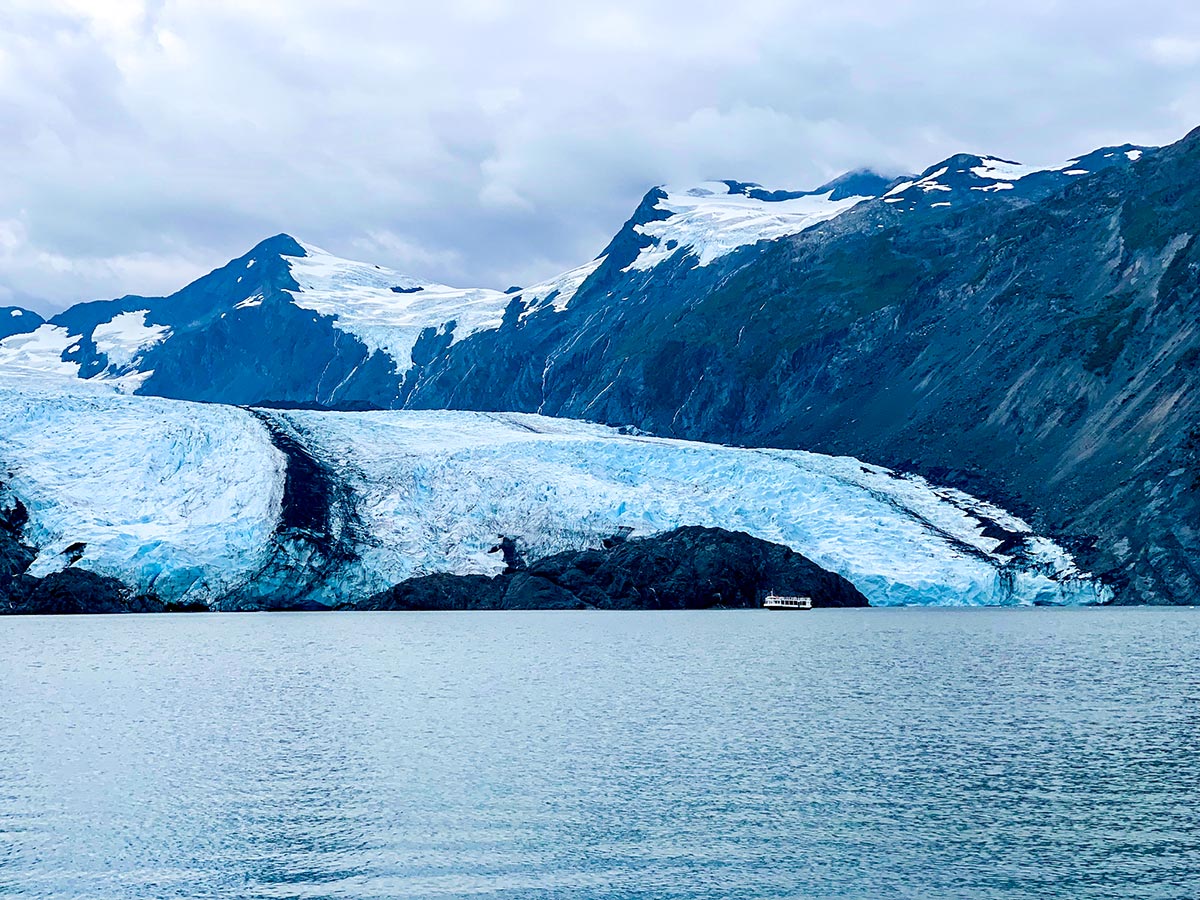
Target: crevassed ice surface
x=437 y=487
x=711 y=220
x=179 y=498
x=183 y=498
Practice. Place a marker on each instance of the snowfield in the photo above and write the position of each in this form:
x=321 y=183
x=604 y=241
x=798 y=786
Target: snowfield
x=711 y=220
x=185 y=498
x=361 y=299
x=39 y=351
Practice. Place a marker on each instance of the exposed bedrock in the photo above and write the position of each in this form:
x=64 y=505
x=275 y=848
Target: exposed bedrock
x=688 y=568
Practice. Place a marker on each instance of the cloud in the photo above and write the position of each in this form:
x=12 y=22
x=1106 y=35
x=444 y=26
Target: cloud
x=497 y=142
x=1175 y=51
x=406 y=254
x=56 y=273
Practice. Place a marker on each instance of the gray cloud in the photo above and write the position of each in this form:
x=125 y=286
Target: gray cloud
x=495 y=142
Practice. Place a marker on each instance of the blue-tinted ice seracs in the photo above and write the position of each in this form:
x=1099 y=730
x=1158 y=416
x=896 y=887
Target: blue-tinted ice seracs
x=187 y=500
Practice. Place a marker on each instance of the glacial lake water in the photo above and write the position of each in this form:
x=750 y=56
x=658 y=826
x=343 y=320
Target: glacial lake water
x=836 y=753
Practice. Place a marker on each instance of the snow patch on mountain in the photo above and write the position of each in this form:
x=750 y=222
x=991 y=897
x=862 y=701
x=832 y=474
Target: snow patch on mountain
x=558 y=292
x=713 y=219
x=992 y=168
x=39 y=351
x=125 y=337
x=361 y=298
x=992 y=175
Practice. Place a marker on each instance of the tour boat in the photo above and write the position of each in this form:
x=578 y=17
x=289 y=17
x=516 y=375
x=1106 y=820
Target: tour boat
x=773 y=602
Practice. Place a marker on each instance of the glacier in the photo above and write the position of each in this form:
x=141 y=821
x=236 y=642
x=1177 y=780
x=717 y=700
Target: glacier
x=185 y=499
x=388 y=311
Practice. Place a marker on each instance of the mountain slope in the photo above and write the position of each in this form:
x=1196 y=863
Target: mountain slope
x=1041 y=351
x=15 y=320
x=285 y=323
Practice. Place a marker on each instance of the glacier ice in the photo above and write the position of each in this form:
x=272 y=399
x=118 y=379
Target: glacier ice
x=184 y=498
x=176 y=498
x=361 y=299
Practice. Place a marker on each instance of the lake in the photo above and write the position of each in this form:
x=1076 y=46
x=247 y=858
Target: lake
x=906 y=753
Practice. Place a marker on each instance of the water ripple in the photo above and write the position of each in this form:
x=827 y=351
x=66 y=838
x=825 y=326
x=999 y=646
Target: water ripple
x=835 y=754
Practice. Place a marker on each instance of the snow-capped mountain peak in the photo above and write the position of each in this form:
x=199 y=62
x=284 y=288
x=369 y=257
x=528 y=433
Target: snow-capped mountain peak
x=289 y=321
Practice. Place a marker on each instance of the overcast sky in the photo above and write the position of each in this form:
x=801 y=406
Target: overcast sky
x=487 y=142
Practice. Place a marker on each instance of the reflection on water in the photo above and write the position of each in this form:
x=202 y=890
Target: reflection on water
x=839 y=753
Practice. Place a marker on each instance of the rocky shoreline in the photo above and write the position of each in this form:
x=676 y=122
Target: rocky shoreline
x=687 y=568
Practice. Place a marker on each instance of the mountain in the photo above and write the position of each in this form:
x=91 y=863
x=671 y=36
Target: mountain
x=285 y=323
x=288 y=323
x=1022 y=333
x=233 y=508
x=1027 y=336
x=15 y=320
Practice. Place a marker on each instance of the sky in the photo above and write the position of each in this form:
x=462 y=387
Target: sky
x=497 y=143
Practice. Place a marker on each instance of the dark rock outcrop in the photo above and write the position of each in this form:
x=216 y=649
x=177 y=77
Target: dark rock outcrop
x=688 y=568
x=513 y=560
x=72 y=592
x=15 y=556
x=441 y=592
